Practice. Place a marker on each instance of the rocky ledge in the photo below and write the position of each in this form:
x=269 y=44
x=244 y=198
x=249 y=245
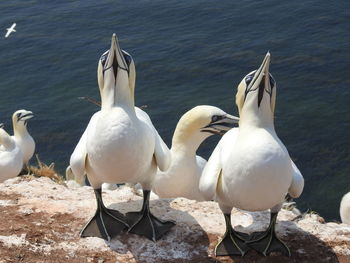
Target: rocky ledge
x=41 y=220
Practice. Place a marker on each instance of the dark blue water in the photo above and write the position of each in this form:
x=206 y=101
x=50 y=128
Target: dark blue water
x=187 y=53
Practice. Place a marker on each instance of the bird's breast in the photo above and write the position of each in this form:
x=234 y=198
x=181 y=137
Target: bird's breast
x=256 y=173
x=120 y=146
x=27 y=145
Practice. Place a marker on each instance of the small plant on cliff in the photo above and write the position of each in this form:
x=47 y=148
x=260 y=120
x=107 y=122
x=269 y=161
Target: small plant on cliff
x=43 y=170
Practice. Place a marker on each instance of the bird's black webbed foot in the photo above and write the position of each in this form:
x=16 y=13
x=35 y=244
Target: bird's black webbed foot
x=106 y=223
x=242 y=236
x=267 y=241
x=232 y=243
x=144 y=223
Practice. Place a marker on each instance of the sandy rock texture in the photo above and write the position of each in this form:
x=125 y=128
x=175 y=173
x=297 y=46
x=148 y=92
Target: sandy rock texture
x=41 y=220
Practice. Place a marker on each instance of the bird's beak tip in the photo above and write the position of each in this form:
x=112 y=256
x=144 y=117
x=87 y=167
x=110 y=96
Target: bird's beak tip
x=114 y=41
x=233 y=118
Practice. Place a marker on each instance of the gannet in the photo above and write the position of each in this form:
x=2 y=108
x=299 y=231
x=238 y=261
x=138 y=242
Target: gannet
x=11 y=157
x=121 y=145
x=21 y=135
x=345 y=209
x=182 y=177
x=10 y=30
x=250 y=168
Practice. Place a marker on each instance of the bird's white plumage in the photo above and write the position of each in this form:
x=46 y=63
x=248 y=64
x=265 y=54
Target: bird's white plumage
x=77 y=162
x=77 y=168
x=250 y=168
x=121 y=149
x=345 y=209
x=256 y=171
x=297 y=186
x=212 y=170
x=182 y=177
x=161 y=151
x=21 y=135
x=11 y=157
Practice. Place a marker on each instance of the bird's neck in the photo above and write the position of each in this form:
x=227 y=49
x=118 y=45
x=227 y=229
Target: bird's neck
x=124 y=96
x=187 y=142
x=120 y=95
x=255 y=116
x=255 y=121
x=20 y=131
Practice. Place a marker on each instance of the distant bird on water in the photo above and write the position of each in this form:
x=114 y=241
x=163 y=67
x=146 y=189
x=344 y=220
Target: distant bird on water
x=10 y=30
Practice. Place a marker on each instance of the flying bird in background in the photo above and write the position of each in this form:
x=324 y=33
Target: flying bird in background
x=10 y=30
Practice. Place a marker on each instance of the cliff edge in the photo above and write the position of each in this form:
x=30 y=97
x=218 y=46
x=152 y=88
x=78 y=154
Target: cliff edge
x=41 y=220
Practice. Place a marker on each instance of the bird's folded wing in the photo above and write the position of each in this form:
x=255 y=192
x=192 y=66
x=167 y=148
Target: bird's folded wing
x=78 y=157
x=210 y=175
x=297 y=185
x=161 y=151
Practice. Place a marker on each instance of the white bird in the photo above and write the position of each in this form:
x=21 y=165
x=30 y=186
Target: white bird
x=21 y=135
x=345 y=209
x=11 y=157
x=250 y=168
x=120 y=145
x=10 y=30
x=182 y=177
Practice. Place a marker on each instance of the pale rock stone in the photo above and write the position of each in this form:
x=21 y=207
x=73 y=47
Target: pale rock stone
x=49 y=217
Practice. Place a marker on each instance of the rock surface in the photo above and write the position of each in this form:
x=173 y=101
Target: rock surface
x=41 y=220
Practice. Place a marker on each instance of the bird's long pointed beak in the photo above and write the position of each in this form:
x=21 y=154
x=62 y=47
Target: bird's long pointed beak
x=262 y=74
x=111 y=59
x=259 y=74
x=231 y=120
x=115 y=57
x=267 y=74
x=119 y=55
x=227 y=123
x=28 y=115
